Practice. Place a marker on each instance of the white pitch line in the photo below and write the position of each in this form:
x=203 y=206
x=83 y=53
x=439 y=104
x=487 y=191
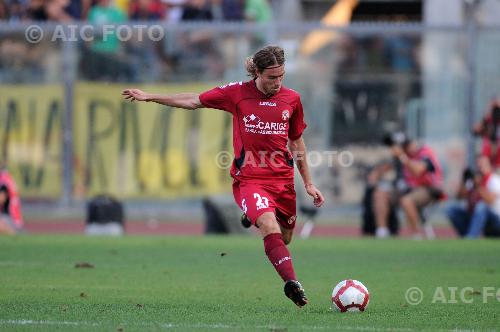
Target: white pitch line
x=45 y=322
x=214 y=326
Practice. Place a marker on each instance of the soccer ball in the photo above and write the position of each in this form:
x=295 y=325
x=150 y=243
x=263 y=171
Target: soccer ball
x=350 y=295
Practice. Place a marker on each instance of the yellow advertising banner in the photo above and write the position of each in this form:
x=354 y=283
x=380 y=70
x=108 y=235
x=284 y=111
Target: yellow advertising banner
x=130 y=150
x=146 y=150
x=31 y=137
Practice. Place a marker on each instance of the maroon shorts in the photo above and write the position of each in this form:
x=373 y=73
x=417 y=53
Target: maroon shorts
x=255 y=199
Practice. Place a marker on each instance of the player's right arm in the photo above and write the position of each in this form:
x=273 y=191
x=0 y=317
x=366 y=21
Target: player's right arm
x=189 y=101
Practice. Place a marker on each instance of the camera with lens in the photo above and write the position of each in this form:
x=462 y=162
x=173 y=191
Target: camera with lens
x=489 y=127
x=468 y=178
x=395 y=138
x=495 y=114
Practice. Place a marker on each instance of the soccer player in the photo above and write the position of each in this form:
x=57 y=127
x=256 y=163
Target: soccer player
x=268 y=122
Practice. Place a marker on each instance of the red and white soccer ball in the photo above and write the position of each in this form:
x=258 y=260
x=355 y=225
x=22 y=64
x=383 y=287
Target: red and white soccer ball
x=350 y=295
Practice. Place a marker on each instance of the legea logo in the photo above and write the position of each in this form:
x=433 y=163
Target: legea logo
x=284 y=259
x=267 y=103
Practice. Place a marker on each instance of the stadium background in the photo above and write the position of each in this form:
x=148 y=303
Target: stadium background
x=362 y=68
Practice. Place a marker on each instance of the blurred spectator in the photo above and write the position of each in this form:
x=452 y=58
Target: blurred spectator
x=53 y=10
x=233 y=10
x=146 y=10
x=123 y=5
x=197 y=10
x=16 y=11
x=200 y=54
x=78 y=9
x=400 y=53
x=259 y=11
x=484 y=219
x=104 y=13
x=56 y=10
x=11 y=219
x=104 y=60
x=422 y=184
x=36 y=11
x=4 y=11
x=174 y=10
x=489 y=131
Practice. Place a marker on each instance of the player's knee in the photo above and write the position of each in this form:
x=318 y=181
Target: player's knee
x=267 y=224
x=406 y=202
x=287 y=239
x=5 y=228
x=269 y=227
x=380 y=196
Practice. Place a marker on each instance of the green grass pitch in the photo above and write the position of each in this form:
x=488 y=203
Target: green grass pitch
x=226 y=283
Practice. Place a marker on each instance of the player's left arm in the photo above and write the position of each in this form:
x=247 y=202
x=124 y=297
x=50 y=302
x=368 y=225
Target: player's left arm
x=488 y=196
x=484 y=190
x=416 y=167
x=298 y=149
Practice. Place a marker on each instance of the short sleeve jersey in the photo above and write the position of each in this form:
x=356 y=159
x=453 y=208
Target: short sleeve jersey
x=432 y=178
x=262 y=126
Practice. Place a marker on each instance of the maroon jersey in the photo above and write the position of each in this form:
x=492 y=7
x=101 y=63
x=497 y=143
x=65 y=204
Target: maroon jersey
x=261 y=128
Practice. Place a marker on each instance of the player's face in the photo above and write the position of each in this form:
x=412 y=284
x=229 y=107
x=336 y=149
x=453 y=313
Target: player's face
x=269 y=81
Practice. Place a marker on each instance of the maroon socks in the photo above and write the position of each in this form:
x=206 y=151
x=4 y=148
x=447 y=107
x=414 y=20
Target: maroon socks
x=280 y=257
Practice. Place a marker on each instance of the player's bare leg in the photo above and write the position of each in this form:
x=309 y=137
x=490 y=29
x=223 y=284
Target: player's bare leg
x=287 y=235
x=381 y=203
x=411 y=212
x=5 y=228
x=280 y=257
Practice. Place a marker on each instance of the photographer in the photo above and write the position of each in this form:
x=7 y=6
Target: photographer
x=421 y=183
x=489 y=130
x=460 y=214
x=386 y=176
x=484 y=218
x=11 y=221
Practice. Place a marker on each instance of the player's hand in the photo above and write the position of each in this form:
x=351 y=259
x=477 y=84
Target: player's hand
x=316 y=194
x=397 y=151
x=135 y=94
